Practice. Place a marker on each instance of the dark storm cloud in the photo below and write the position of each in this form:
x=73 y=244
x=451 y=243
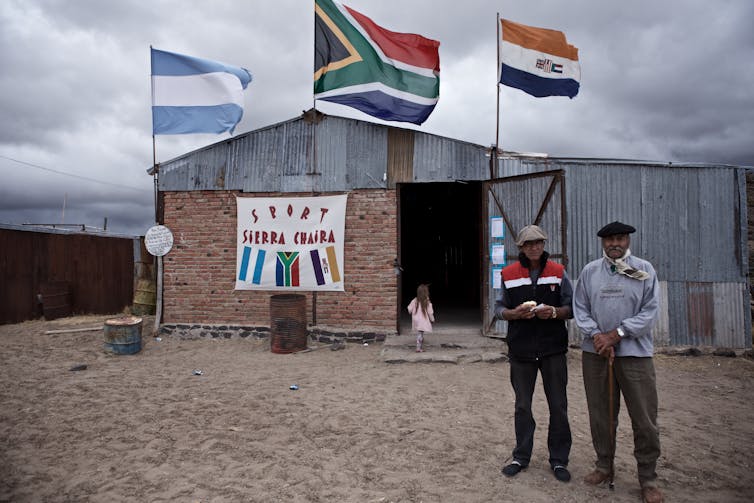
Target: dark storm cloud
x=666 y=81
x=42 y=197
x=662 y=76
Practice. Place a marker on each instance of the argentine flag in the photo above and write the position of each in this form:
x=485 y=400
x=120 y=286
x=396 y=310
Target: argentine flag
x=194 y=95
x=252 y=265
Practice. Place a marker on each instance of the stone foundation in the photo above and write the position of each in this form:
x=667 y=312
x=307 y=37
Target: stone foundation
x=320 y=334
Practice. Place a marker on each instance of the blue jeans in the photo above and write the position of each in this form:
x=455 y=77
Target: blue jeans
x=554 y=370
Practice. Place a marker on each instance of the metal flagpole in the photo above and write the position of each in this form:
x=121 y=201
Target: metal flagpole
x=497 y=84
x=493 y=161
x=312 y=170
x=156 y=180
x=155 y=177
x=155 y=169
x=313 y=166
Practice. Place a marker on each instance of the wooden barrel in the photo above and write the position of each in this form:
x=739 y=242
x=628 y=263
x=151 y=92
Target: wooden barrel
x=123 y=335
x=288 y=323
x=145 y=296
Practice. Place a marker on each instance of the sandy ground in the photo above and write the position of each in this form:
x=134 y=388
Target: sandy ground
x=144 y=428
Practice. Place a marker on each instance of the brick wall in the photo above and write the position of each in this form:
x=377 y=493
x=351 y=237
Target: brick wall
x=199 y=272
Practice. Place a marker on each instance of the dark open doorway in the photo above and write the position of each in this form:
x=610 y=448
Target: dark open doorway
x=439 y=244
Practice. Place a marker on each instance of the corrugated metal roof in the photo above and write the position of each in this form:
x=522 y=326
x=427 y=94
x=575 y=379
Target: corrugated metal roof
x=350 y=154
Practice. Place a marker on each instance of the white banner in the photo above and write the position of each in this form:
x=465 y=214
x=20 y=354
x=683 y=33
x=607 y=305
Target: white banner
x=290 y=243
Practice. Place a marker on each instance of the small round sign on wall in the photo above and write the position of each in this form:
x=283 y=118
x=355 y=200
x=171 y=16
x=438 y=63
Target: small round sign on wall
x=158 y=240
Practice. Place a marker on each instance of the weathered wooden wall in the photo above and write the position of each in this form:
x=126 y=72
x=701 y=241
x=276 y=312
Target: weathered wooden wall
x=98 y=271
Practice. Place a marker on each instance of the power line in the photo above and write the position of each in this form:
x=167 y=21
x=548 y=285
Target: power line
x=71 y=174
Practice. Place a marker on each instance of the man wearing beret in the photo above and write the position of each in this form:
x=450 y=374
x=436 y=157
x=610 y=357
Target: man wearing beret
x=536 y=299
x=615 y=306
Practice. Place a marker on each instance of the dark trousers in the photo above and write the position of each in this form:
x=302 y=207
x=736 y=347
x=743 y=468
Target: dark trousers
x=634 y=378
x=554 y=370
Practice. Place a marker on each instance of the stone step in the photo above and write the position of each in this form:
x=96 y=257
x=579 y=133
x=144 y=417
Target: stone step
x=454 y=339
x=451 y=347
x=442 y=355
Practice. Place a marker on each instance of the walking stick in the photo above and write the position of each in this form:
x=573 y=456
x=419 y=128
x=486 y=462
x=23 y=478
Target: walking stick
x=611 y=407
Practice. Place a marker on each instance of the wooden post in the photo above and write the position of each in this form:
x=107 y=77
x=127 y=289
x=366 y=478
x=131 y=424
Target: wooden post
x=158 y=302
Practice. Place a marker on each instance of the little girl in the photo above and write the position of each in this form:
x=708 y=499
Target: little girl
x=422 y=315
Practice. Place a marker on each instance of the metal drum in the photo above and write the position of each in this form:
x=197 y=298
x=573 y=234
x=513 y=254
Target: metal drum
x=123 y=335
x=288 y=323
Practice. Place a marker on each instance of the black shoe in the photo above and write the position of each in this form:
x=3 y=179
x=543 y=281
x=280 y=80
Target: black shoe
x=512 y=469
x=561 y=473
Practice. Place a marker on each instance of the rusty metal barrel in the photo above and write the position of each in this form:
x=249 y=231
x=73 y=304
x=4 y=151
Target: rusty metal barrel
x=288 y=323
x=123 y=335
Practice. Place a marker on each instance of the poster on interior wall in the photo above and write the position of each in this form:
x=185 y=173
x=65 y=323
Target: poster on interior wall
x=290 y=243
x=497 y=228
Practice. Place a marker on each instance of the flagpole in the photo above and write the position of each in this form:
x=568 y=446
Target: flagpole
x=156 y=183
x=155 y=176
x=493 y=163
x=313 y=166
x=313 y=162
x=493 y=154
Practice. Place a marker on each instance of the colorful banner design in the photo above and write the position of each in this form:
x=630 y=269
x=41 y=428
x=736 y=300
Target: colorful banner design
x=290 y=243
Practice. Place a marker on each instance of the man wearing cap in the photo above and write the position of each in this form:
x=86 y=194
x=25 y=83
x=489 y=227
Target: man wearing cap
x=535 y=300
x=615 y=306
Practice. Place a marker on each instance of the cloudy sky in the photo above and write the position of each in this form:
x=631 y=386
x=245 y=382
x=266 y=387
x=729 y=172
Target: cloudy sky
x=665 y=81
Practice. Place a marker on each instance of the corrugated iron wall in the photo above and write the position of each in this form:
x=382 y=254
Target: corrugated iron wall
x=691 y=226
x=99 y=272
x=691 y=219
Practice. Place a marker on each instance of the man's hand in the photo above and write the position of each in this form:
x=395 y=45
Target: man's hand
x=543 y=311
x=521 y=312
x=605 y=342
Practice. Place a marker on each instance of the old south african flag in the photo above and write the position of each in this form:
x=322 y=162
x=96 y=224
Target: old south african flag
x=357 y=63
x=539 y=61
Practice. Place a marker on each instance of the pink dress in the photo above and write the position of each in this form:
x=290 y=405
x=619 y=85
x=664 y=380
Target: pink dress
x=420 y=322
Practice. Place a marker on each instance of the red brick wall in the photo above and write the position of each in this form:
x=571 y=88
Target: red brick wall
x=199 y=272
